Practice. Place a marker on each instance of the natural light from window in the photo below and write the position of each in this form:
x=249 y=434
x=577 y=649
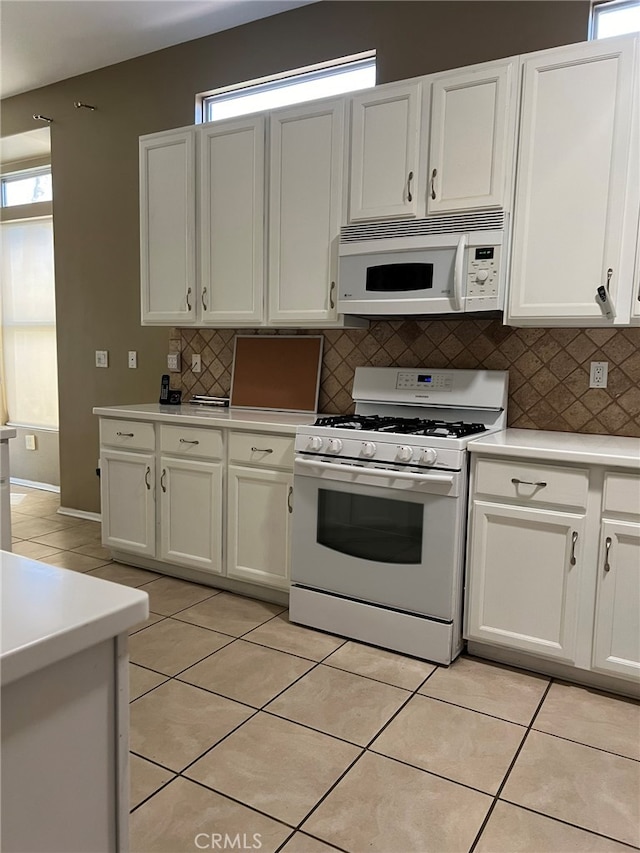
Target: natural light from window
x=616 y=18
x=344 y=75
x=27 y=188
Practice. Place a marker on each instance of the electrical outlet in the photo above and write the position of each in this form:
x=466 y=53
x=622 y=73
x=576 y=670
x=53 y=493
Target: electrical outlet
x=173 y=361
x=102 y=358
x=30 y=442
x=598 y=374
x=196 y=363
x=133 y=358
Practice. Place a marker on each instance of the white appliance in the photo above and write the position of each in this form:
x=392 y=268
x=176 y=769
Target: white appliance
x=441 y=265
x=380 y=507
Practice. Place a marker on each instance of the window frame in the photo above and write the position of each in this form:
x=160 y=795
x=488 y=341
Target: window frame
x=21 y=175
x=598 y=5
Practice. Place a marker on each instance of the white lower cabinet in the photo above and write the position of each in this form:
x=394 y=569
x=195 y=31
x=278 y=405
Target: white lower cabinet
x=526 y=574
x=553 y=564
x=260 y=504
x=128 y=503
x=191 y=513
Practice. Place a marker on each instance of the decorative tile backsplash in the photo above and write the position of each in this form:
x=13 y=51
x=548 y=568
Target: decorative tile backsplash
x=548 y=368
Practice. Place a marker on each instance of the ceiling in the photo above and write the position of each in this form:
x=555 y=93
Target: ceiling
x=43 y=41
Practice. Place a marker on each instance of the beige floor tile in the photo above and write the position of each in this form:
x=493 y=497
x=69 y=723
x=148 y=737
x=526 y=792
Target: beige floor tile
x=170 y=822
x=169 y=595
x=340 y=703
x=34 y=550
x=380 y=664
x=153 y=618
x=511 y=829
x=32 y=527
x=245 y=672
x=281 y=634
x=176 y=723
x=127 y=575
x=578 y=784
x=87 y=533
x=170 y=646
x=231 y=614
x=597 y=719
x=275 y=766
x=301 y=843
x=453 y=742
x=487 y=687
x=382 y=806
x=73 y=561
x=63 y=520
x=142 y=680
x=95 y=550
x=144 y=778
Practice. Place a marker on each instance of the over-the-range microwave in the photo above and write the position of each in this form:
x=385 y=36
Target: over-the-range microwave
x=441 y=265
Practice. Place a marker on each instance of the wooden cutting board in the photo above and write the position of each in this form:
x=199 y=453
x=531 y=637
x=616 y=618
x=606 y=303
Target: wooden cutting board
x=277 y=372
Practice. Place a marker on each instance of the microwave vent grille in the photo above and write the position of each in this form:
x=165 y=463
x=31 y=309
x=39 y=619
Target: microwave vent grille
x=490 y=220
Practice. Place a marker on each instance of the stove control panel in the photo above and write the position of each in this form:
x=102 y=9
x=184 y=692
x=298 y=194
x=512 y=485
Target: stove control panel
x=415 y=380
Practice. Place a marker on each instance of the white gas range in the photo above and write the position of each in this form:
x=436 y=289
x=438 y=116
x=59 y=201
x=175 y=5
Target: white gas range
x=379 y=519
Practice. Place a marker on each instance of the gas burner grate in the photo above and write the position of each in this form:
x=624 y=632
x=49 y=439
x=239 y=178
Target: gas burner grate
x=402 y=426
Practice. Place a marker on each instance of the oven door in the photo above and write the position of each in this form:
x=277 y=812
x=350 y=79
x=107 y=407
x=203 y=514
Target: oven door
x=390 y=538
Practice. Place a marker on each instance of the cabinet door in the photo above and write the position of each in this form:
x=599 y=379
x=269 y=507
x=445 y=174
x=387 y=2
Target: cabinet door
x=167 y=228
x=128 y=503
x=385 y=124
x=191 y=513
x=523 y=587
x=231 y=226
x=260 y=504
x=471 y=141
x=616 y=644
x=305 y=211
x=572 y=183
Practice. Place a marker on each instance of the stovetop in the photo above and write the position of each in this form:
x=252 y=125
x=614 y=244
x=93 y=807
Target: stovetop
x=402 y=426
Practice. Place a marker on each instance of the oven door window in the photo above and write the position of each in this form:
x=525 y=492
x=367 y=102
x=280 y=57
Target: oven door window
x=372 y=528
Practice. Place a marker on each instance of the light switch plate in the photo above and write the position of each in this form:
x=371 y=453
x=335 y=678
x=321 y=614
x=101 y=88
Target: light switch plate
x=102 y=358
x=133 y=358
x=196 y=363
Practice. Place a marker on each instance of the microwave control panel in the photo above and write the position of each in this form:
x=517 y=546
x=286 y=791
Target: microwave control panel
x=483 y=271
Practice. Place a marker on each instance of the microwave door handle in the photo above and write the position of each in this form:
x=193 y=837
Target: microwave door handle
x=458 y=271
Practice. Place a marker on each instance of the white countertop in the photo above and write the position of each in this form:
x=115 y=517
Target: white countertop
x=49 y=613
x=230 y=418
x=618 y=451
x=7 y=432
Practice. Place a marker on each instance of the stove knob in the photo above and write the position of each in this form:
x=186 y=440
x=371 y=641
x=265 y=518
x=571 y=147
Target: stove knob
x=404 y=454
x=334 y=445
x=314 y=443
x=429 y=456
x=368 y=449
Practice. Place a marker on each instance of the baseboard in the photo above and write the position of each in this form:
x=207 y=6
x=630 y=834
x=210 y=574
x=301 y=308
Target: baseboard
x=33 y=484
x=80 y=513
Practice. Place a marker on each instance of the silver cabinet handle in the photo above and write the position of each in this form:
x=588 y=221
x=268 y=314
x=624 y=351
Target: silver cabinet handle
x=433 y=183
x=289 y=496
x=574 y=539
x=517 y=482
x=146 y=477
x=188 y=441
x=261 y=450
x=332 y=290
x=409 y=180
x=162 y=485
x=125 y=434
x=607 y=549
x=188 y=295
x=204 y=293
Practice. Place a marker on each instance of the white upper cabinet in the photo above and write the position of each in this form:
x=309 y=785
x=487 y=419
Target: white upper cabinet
x=472 y=137
x=167 y=227
x=385 y=123
x=576 y=203
x=231 y=221
x=306 y=205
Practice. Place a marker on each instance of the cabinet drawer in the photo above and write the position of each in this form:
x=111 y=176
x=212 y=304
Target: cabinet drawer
x=270 y=451
x=189 y=441
x=621 y=494
x=532 y=485
x=131 y=435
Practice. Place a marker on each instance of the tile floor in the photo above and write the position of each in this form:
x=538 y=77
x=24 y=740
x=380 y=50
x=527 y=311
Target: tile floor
x=250 y=732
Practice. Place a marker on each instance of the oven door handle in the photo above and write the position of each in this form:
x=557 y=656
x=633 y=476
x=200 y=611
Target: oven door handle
x=377 y=472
